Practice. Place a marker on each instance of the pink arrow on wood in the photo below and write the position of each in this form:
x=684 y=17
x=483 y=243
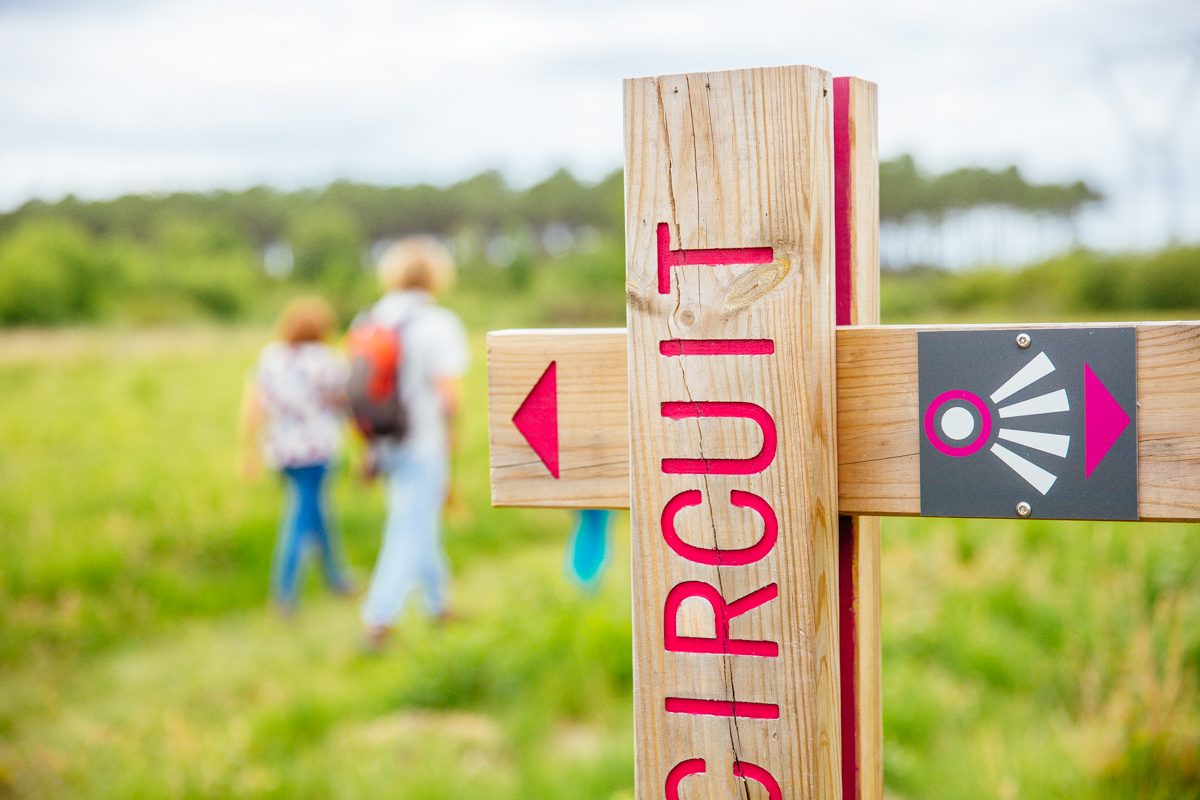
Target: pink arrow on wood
x=537 y=419
x=1103 y=418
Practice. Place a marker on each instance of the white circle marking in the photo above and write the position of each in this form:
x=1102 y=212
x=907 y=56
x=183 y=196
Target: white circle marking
x=957 y=423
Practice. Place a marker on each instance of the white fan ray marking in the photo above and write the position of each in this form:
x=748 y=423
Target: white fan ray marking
x=1032 y=372
x=1034 y=475
x=1055 y=444
x=1051 y=403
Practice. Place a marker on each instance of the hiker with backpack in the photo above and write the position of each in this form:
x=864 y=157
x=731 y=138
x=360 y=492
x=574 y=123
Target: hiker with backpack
x=408 y=422
x=294 y=409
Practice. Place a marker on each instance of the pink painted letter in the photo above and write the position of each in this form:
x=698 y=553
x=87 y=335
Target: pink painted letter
x=680 y=771
x=721 y=708
x=715 y=556
x=722 y=614
x=722 y=466
x=742 y=769
x=668 y=258
x=716 y=347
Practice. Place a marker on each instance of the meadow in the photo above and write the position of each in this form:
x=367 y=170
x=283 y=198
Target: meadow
x=139 y=658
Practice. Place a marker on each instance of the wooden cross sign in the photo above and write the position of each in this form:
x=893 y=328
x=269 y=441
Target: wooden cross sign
x=753 y=408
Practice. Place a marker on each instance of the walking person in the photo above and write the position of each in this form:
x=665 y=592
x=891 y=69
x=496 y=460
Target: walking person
x=294 y=410
x=415 y=464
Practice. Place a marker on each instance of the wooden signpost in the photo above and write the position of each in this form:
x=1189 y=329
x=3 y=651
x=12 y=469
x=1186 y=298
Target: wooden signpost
x=745 y=418
x=730 y=290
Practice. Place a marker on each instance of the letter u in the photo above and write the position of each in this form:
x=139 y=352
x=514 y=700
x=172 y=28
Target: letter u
x=722 y=466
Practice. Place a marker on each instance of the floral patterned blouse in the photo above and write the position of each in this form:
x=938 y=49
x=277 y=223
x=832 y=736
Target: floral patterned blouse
x=302 y=389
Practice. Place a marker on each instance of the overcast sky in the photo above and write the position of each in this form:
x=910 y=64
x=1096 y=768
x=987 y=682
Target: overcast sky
x=105 y=97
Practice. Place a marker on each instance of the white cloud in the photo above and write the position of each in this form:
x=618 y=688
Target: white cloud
x=104 y=98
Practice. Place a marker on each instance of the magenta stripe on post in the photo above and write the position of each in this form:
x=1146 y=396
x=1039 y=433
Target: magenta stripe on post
x=716 y=347
x=721 y=708
x=847 y=539
x=841 y=197
x=848 y=532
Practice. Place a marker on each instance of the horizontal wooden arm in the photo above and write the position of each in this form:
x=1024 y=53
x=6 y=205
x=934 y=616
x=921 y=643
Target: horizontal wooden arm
x=877 y=413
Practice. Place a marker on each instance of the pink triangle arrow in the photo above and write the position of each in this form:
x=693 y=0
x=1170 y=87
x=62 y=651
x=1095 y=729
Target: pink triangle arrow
x=1103 y=420
x=537 y=419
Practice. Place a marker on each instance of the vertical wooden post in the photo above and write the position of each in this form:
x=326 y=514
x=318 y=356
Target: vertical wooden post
x=856 y=179
x=730 y=302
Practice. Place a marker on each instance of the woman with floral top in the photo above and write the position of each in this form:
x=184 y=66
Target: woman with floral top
x=294 y=407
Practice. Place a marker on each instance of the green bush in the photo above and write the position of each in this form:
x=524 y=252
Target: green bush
x=1171 y=279
x=1076 y=285
x=52 y=273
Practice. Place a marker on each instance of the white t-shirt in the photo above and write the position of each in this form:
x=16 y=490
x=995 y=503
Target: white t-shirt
x=301 y=388
x=435 y=346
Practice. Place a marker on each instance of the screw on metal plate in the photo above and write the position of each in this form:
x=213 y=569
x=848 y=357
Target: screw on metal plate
x=1024 y=509
x=1023 y=340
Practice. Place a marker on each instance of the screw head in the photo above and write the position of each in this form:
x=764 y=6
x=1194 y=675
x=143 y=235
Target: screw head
x=1024 y=509
x=1023 y=340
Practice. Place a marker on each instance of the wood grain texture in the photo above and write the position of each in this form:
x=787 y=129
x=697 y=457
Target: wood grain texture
x=1169 y=421
x=735 y=160
x=868 y=657
x=593 y=426
x=878 y=469
x=877 y=423
x=864 y=207
x=862 y=689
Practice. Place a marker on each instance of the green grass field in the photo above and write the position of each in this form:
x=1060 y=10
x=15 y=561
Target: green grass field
x=138 y=657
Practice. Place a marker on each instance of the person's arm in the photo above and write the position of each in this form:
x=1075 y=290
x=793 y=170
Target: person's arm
x=251 y=422
x=449 y=392
x=337 y=394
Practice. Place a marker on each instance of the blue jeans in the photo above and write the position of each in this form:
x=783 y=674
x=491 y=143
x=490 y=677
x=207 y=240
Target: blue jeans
x=305 y=526
x=411 y=556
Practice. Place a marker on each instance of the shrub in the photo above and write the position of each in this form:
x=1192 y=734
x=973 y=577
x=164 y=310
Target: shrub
x=52 y=273
x=1171 y=279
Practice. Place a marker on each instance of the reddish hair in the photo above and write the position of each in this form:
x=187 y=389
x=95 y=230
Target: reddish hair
x=305 y=319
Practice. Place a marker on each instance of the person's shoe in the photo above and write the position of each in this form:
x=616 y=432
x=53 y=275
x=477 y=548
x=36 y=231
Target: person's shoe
x=447 y=617
x=374 y=640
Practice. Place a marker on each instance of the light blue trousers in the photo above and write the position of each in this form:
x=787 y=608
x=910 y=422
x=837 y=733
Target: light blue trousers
x=411 y=556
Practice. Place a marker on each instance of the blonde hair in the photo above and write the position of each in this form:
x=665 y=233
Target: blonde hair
x=417 y=262
x=305 y=319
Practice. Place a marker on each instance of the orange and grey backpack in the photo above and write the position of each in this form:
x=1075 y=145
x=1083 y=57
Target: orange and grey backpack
x=376 y=353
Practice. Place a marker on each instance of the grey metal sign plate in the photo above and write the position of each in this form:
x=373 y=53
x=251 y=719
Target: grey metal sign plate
x=1047 y=430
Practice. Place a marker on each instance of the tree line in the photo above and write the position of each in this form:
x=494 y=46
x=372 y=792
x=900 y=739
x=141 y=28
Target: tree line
x=164 y=258
x=905 y=191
